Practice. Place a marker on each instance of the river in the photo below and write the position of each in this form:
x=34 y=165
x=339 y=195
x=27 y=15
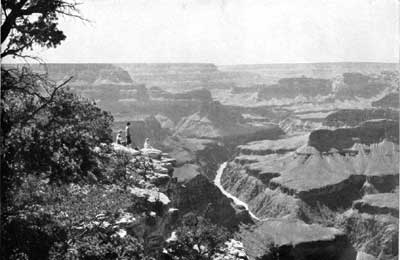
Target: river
x=217 y=182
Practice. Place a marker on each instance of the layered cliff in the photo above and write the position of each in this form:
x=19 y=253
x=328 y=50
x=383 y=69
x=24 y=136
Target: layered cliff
x=214 y=121
x=290 y=179
x=390 y=100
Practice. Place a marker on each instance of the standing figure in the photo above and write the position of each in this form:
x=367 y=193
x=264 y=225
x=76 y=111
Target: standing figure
x=128 y=134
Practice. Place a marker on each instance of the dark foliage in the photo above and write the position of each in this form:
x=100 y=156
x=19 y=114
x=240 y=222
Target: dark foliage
x=27 y=23
x=70 y=222
x=49 y=131
x=197 y=239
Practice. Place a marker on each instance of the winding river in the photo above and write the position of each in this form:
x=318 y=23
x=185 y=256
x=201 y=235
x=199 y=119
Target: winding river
x=217 y=182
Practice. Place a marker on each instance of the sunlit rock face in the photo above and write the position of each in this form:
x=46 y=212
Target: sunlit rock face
x=379 y=203
x=294 y=239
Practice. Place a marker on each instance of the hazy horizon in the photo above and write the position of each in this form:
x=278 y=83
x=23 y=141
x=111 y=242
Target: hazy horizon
x=232 y=64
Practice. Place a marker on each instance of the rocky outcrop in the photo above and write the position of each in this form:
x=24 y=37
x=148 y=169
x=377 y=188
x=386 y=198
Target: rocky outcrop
x=206 y=154
x=214 y=121
x=381 y=203
x=293 y=239
x=253 y=190
x=368 y=132
x=296 y=126
x=375 y=235
x=150 y=127
x=273 y=72
x=281 y=146
x=390 y=100
x=355 y=84
x=353 y=117
x=319 y=177
x=164 y=201
x=202 y=94
x=293 y=87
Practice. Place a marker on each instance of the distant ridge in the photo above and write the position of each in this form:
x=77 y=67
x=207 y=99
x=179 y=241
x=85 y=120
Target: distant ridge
x=219 y=65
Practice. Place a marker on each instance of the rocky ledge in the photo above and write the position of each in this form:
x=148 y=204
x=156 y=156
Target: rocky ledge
x=293 y=239
x=265 y=147
x=374 y=236
x=381 y=203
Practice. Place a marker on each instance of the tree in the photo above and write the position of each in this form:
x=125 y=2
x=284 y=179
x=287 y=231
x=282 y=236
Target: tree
x=30 y=22
x=197 y=239
x=24 y=95
x=49 y=130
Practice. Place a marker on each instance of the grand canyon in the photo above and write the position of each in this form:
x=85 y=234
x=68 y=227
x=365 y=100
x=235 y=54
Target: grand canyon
x=299 y=161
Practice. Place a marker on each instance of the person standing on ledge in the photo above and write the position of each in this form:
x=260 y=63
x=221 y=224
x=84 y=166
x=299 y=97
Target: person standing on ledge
x=128 y=134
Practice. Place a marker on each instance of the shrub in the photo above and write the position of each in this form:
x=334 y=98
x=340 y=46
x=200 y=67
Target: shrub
x=72 y=221
x=197 y=238
x=47 y=130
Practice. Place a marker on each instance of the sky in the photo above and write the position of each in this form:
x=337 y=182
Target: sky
x=230 y=32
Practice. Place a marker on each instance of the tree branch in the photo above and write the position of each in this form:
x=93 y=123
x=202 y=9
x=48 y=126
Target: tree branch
x=48 y=101
x=9 y=23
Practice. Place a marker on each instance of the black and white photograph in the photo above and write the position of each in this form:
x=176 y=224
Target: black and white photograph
x=200 y=129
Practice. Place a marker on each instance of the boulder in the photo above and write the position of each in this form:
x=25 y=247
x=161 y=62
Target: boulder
x=121 y=148
x=152 y=153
